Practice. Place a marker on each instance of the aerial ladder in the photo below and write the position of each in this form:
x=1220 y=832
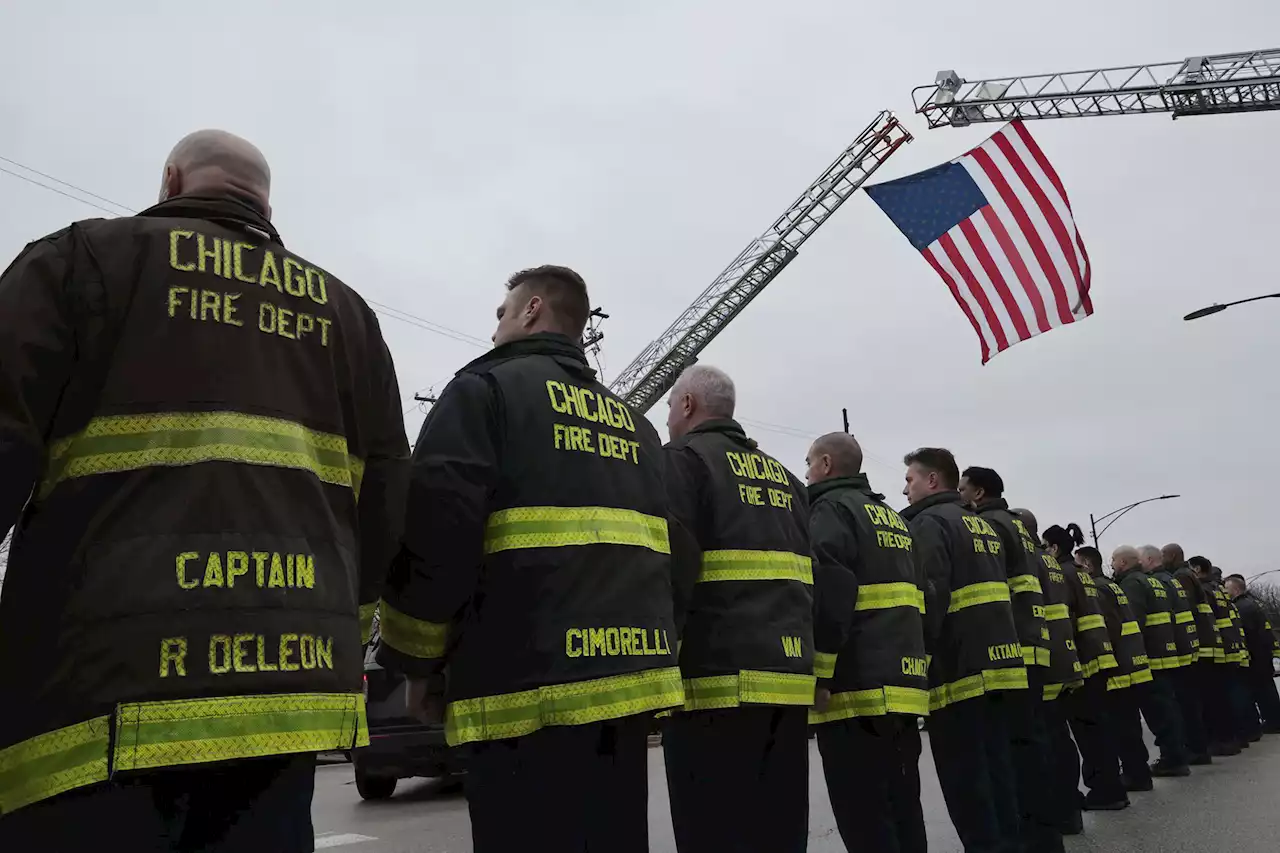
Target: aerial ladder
x=656 y=369
x=1196 y=86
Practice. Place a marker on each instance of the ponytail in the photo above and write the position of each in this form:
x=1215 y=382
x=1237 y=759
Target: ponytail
x=1076 y=534
x=1065 y=539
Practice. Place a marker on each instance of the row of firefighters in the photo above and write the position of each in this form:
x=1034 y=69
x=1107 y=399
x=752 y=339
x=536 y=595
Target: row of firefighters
x=212 y=501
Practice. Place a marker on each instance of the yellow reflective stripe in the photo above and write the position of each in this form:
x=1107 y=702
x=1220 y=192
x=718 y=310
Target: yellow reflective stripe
x=1142 y=676
x=559 y=527
x=824 y=664
x=977 y=685
x=875 y=702
x=1222 y=623
x=1205 y=608
x=1091 y=622
x=1035 y=656
x=755 y=566
x=748 y=687
x=511 y=715
x=986 y=592
x=54 y=762
x=118 y=443
x=1129 y=628
x=195 y=731
x=1183 y=617
x=1056 y=612
x=1053 y=691
x=1024 y=583
x=414 y=637
x=366 y=621
x=1206 y=653
x=882 y=596
x=1159 y=618
x=1119 y=682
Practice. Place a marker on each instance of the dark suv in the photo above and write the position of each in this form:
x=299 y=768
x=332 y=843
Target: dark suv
x=400 y=747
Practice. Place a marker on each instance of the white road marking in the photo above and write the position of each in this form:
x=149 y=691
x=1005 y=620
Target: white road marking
x=326 y=840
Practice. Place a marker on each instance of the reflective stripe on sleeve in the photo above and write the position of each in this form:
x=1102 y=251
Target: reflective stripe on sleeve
x=54 y=762
x=979 y=684
x=517 y=714
x=824 y=664
x=1091 y=622
x=748 y=687
x=558 y=527
x=755 y=566
x=1035 y=656
x=1056 y=612
x=1183 y=617
x=1204 y=607
x=1222 y=623
x=1119 y=682
x=1024 y=583
x=875 y=702
x=1099 y=664
x=414 y=637
x=986 y=592
x=119 y=443
x=1159 y=618
x=1129 y=628
x=1142 y=676
x=882 y=596
x=366 y=621
x=195 y=731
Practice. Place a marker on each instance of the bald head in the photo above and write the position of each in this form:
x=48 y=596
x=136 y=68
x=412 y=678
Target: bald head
x=1028 y=520
x=1124 y=559
x=702 y=393
x=1173 y=555
x=216 y=163
x=1152 y=559
x=836 y=454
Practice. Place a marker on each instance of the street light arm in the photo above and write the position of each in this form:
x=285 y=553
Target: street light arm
x=1116 y=514
x=1216 y=307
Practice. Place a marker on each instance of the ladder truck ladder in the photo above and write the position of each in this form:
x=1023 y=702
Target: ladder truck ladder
x=656 y=369
x=1198 y=85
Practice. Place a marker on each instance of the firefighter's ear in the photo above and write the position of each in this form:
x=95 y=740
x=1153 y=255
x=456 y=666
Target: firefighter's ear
x=533 y=310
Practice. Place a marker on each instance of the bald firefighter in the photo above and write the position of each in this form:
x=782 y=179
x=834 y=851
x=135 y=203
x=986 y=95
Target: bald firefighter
x=201 y=433
x=875 y=687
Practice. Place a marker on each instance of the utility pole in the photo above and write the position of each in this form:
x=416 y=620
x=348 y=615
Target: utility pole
x=845 y=413
x=1115 y=514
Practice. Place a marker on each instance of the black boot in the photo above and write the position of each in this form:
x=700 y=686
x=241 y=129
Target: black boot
x=1164 y=769
x=1131 y=784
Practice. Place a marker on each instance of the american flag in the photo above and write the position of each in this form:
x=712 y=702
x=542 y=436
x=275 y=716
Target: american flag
x=996 y=225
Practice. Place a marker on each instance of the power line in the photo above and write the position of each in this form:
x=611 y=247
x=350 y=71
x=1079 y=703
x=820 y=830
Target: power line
x=58 y=191
x=64 y=183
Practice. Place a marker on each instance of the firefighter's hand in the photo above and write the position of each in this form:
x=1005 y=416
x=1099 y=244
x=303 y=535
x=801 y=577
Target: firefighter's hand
x=821 y=698
x=424 y=701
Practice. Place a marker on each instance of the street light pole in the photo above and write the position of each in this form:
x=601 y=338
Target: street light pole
x=1215 y=308
x=1115 y=515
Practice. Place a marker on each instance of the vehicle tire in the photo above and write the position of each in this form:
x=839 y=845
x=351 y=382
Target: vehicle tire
x=375 y=787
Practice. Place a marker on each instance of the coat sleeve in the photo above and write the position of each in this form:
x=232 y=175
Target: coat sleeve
x=383 y=485
x=1139 y=600
x=685 y=476
x=452 y=476
x=835 y=583
x=932 y=549
x=37 y=356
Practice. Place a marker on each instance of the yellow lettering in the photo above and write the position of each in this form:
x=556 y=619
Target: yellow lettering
x=588 y=412
x=284 y=315
x=215 y=253
x=260 y=565
x=182 y=569
x=307 y=571
x=288 y=570
x=644 y=643
x=560 y=405
x=173 y=655
x=277 y=572
x=295 y=281
x=210 y=303
x=307 y=651
x=219 y=643
x=613 y=645
x=263 y=666
x=324 y=330
x=315 y=286
x=598 y=645
x=266 y=317
x=626 y=640
x=269 y=273
x=229 y=309
x=174 y=237
x=286 y=650
x=213 y=571
x=174 y=301
x=226 y=259
x=237 y=262
x=237 y=566
x=240 y=657
x=324 y=652
x=306 y=324
x=570 y=649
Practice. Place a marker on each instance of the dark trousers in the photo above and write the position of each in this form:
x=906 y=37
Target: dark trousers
x=1124 y=724
x=580 y=788
x=1240 y=691
x=1219 y=718
x=1064 y=772
x=1262 y=680
x=970 y=744
x=1159 y=706
x=256 y=806
x=1032 y=763
x=739 y=779
x=1100 y=760
x=872 y=767
x=1187 y=687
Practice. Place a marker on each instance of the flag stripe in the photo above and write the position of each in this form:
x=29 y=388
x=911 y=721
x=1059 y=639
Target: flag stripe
x=1028 y=228
x=1019 y=266
x=964 y=293
x=964 y=306
x=996 y=279
x=975 y=287
x=1046 y=207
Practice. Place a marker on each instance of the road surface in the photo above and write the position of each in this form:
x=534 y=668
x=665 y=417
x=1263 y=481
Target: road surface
x=1232 y=806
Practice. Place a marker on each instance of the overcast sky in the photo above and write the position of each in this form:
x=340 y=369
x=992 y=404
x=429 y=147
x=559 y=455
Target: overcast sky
x=422 y=156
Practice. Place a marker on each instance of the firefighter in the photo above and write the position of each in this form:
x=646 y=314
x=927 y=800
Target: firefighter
x=739 y=748
x=1129 y=679
x=528 y=478
x=873 y=690
x=1210 y=704
x=1225 y=730
x=1185 y=683
x=975 y=659
x=1152 y=609
x=1264 y=704
x=1086 y=707
x=983 y=491
x=1238 y=662
x=192 y=410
